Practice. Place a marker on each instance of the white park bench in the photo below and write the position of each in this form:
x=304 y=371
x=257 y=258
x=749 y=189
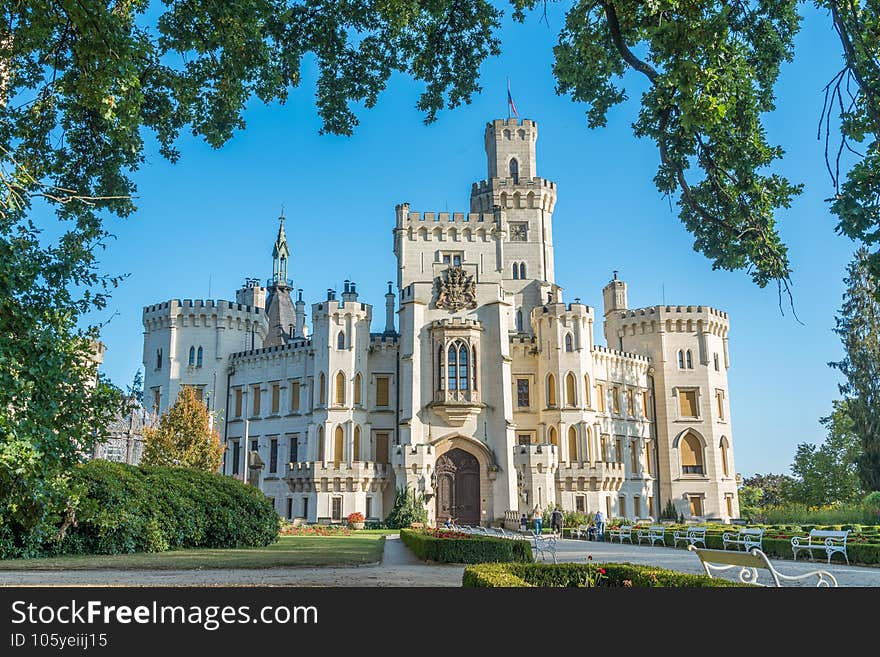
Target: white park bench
x=544 y=543
x=748 y=538
x=750 y=562
x=622 y=532
x=691 y=536
x=653 y=533
x=820 y=539
x=581 y=531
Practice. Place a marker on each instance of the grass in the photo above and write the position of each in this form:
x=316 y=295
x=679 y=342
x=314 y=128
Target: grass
x=289 y=551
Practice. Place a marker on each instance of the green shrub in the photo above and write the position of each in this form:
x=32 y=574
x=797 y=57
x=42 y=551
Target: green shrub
x=127 y=509
x=472 y=549
x=583 y=576
x=408 y=508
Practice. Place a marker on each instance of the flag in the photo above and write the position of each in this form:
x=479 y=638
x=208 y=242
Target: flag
x=510 y=102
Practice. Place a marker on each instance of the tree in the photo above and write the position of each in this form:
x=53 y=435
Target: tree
x=409 y=507
x=858 y=325
x=136 y=389
x=829 y=473
x=775 y=488
x=185 y=436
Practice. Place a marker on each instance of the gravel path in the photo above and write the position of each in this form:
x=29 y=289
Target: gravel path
x=400 y=568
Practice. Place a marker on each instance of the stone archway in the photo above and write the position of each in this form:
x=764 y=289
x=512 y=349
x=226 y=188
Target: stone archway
x=458 y=487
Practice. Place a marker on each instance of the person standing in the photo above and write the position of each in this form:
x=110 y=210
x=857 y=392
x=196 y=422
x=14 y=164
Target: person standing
x=599 y=519
x=556 y=520
x=523 y=523
x=538 y=519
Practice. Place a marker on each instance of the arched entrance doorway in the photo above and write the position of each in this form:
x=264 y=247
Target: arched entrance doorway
x=458 y=488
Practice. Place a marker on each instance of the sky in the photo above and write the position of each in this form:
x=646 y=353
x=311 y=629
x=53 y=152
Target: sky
x=206 y=223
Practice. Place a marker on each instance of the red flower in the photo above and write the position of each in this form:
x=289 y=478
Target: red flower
x=601 y=571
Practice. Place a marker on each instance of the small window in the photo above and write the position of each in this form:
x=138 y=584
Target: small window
x=236 y=456
x=322 y=389
x=293 y=456
x=382 y=450
x=646 y=407
x=719 y=402
x=515 y=271
x=340 y=340
x=551 y=390
x=357 y=389
x=192 y=356
x=199 y=355
x=569 y=342
x=340 y=389
x=305 y=508
x=728 y=500
x=369 y=509
x=338 y=446
x=524 y=439
x=336 y=513
x=687 y=403
x=630 y=402
x=356 y=445
x=519 y=321
x=382 y=391
x=551 y=436
x=716 y=363
x=570 y=390
x=294 y=396
x=634 y=460
x=587 y=401
x=690 y=361
x=573 y=452
x=238 y=398
x=156 y=399
x=256 y=391
x=696 y=506
x=600 y=397
x=290 y=508
x=680 y=359
x=514 y=171
x=273 y=455
x=621 y=502
x=615 y=400
x=158 y=359
x=580 y=504
x=522 y=270
x=618 y=450
x=637 y=507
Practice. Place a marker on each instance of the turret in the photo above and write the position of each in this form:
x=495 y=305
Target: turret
x=300 y=326
x=614 y=295
x=510 y=149
x=389 y=311
x=349 y=291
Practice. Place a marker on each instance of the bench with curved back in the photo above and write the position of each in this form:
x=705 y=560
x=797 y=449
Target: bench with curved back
x=750 y=562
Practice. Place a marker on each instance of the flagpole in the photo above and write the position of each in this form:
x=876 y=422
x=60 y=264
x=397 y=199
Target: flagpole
x=508 y=98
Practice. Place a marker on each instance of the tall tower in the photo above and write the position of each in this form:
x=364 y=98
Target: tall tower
x=280 y=311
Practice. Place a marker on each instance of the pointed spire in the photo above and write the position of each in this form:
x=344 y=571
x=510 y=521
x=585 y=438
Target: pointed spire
x=280 y=253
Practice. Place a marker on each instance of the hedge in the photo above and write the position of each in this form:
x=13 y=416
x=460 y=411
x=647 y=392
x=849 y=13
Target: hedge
x=126 y=509
x=473 y=549
x=583 y=575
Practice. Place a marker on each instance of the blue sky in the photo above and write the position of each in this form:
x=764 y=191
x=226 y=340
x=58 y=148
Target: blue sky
x=210 y=220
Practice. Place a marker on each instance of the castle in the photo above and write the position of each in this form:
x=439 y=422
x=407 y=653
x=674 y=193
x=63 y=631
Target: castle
x=490 y=397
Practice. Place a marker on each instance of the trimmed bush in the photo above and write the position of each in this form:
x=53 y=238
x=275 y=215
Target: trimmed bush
x=472 y=549
x=126 y=509
x=566 y=575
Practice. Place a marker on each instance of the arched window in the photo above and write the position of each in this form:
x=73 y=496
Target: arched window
x=514 y=171
x=340 y=388
x=158 y=359
x=551 y=436
x=570 y=393
x=338 y=445
x=199 y=355
x=474 y=367
x=441 y=352
x=691 y=454
x=522 y=270
x=519 y=321
x=589 y=437
x=322 y=389
x=192 y=356
x=357 y=389
x=690 y=361
x=681 y=359
x=724 y=465
x=551 y=390
x=569 y=342
x=357 y=445
x=451 y=369
x=515 y=271
x=340 y=340
x=320 y=443
x=587 y=390
x=573 y=455
x=463 y=367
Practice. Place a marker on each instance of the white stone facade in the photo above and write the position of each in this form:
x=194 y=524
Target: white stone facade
x=490 y=398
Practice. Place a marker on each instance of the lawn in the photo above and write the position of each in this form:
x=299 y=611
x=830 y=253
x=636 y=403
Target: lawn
x=289 y=551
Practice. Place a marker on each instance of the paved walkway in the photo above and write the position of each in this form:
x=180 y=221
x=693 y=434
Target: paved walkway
x=399 y=567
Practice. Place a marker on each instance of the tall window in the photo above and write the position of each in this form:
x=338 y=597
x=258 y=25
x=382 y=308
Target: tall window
x=463 y=367
x=621 y=504
x=294 y=396
x=630 y=402
x=381 y=391
x=618 y=449
x=691 y=455
x=615 y=400
x=382 y=448
x=338 y=446
x=606 y=449
x=340 y=340
x=256 y=393
x=716 y=362
x=192 y=356
x=199 y=355
x=276 y=397
x=634 y=457
x=522 y=393
x=514 y=171
x=551 y=390
x=696 y=505
x=680 y=359
x=522 y=270
x=570 y=392
x=719 y=402
x=273 y=455
x=457 y=367
x=690 y=361
x=305 y=508
x=646 y=407
x=551 y=436
x=519 y=321
x=569 y=342
x=369 y=509
x=573 y=455
x=357 y=389
x=587 y=401
x=320 y=443
x=687 y=403
x=637 y=507
x=600 y=397
x=474 y=366
x=728 y=500
x=651 y=505
x=336 y=506
x=515 y=270
x=238 y=398
x=451 y=371
x=293 y=450
x=340 y=388
x=648 y=466
x=236 y=456
x=322 y=389
x=158 y=359
x=357 y=445
x=157 y=395
x=589 y=438
x=724 y=466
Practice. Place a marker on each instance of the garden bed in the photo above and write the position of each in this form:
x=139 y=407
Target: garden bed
x=442 y=546
x=565 y=575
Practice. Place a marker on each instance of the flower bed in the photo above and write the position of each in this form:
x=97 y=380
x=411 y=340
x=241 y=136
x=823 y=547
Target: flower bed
x=608 y=575
x=287 y=529
x=444 y=546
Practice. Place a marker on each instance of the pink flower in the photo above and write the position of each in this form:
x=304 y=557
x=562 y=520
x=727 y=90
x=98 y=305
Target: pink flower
x=601 y=571
x=589 y=557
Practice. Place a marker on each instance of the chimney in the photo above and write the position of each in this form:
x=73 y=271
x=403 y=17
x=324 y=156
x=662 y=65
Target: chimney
x=349 y=294
x=389 y=311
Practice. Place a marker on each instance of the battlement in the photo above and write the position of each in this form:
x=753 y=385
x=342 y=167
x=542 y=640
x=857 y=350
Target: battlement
x=615 y=354
x=519 y=338
x=422 y=218
x=686 y=319
x=384 y=338
x=165 y=314
x=330 y=306
x=197 y=306
x=500 y=124
x=492 y=184
x=285 y=348
x=456 y=322
x=674 y=312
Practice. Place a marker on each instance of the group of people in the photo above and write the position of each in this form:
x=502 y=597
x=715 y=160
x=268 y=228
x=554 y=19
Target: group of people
x=556 y=521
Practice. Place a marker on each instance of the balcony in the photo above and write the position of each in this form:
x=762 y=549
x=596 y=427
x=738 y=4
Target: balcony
x=457 y=406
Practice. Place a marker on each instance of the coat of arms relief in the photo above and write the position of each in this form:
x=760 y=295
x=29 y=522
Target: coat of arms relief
x=458 y=290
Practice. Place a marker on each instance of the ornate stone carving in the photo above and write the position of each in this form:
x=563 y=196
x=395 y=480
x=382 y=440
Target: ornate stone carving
x=458 y=290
